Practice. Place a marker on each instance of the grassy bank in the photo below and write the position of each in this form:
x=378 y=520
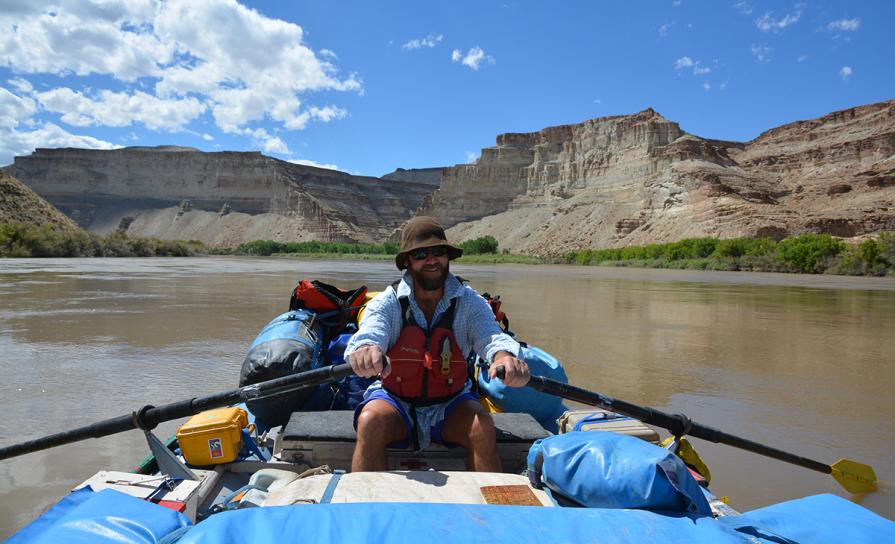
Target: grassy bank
x=806 y=253
x=27 y=240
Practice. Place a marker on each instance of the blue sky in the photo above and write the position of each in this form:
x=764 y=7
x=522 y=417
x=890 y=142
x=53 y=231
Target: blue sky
x=370 y=86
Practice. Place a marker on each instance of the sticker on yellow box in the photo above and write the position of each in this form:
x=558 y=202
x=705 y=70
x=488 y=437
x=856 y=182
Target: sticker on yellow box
x=215 y=449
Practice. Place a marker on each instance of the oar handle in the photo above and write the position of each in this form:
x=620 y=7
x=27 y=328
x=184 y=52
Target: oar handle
x=148 y=417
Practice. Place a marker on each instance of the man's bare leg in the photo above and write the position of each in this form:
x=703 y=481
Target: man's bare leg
x=471 y=426
x=378 y=425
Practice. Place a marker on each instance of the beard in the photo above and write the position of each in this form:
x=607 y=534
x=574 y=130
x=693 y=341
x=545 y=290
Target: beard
x=430 y=280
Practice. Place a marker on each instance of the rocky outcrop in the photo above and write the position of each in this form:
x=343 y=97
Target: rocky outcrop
x=19 y=204
x=639 y=179
x=222 y=198
x=428 y=176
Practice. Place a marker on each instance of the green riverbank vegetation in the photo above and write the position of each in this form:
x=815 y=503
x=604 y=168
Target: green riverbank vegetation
x=29 y=240
x=805 y=253
x=478 y=250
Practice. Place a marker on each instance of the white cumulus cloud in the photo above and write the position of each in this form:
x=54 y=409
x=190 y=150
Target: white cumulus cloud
x=429 y=41
x=15 y=109
x=845 y=73
x=768 y=23
x=473 y=58
x=25 y=140
x=120 y=109
x=169 y=62
x=743 y=7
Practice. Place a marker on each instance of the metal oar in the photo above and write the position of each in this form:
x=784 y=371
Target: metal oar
x=149 y=416
x=855 y=477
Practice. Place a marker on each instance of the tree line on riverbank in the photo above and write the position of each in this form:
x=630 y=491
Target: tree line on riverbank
x=805 y=253
x=29 y=240
x=478 y=246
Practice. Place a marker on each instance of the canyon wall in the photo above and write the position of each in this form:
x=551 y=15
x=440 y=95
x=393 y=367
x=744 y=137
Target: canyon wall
x=222 y=198
x=607 y=182
x=639 y=179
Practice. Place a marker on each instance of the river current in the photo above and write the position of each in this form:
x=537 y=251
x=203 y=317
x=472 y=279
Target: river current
x=802 y=363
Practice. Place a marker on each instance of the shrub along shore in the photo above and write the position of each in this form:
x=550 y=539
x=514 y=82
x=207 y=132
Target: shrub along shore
x=806 y=253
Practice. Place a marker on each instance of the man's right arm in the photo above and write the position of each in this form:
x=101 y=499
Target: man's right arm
x=376 y=333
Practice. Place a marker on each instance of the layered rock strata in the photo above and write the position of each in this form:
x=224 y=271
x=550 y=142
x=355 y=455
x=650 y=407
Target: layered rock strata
x=638 y=179
x=222 y=198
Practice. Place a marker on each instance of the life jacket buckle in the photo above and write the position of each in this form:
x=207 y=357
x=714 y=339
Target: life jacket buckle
x=446 y=356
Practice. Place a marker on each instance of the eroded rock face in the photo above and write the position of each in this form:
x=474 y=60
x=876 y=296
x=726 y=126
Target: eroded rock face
x=640 y=179
x=607 y=182
x=222 y=198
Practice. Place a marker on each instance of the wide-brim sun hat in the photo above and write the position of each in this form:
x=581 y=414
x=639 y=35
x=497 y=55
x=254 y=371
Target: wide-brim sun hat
x=422 y=232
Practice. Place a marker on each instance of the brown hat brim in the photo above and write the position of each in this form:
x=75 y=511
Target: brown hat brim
x=452 y=252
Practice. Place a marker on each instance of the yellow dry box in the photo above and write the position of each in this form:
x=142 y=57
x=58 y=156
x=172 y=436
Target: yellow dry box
x=212 y=437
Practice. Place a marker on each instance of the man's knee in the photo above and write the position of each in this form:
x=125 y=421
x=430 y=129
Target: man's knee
x=380 y=422
x=469 y=425
x=482 y=427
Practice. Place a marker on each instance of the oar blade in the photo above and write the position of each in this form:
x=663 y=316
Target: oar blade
x=855 y=477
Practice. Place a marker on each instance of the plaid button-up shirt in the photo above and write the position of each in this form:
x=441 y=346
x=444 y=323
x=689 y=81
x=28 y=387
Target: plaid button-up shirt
x=474 y=325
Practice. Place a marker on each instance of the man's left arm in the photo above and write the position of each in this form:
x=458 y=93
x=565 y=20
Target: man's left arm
x=498 y=347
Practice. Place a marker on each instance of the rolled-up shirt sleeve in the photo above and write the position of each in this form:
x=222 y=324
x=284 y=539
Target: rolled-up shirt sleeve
x=377 y=326
x=485 y=334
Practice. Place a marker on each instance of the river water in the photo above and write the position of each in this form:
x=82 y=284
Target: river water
x=803 y=363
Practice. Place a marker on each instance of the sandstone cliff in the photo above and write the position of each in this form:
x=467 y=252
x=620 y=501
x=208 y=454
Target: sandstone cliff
x=639 y=179
x=428 y=176
x=613 y=181
x=222 y=199
x=19 y=204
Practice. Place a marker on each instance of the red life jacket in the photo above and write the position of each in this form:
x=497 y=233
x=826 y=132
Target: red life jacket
x=333 y=306
x=427 y=366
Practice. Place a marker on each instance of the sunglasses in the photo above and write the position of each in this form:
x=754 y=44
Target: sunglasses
x=423 y=252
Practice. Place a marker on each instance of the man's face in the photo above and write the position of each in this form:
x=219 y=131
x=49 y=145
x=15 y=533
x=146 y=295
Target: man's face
x=429 y=272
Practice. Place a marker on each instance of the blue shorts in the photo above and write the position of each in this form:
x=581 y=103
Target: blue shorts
x=430 y=419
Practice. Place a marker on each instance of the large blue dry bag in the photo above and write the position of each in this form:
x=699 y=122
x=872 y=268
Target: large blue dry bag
x=599 y=469
x=543 y=407
x=344 y=394
x=289 y=344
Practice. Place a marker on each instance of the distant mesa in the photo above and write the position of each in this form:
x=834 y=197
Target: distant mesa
x=607 y=182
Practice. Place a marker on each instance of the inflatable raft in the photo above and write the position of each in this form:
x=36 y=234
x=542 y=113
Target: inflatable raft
x=276 y=470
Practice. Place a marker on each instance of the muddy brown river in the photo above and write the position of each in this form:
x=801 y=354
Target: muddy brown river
x=803 y=363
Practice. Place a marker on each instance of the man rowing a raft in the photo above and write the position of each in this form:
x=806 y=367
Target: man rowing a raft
x=425 y=325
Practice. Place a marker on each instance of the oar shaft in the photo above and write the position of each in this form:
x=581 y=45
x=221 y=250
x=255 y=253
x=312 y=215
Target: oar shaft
x=677 y=424
x=150 y=416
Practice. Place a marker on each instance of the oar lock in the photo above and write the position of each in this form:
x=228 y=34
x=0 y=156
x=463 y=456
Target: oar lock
x=139 y=418
x=685 y=427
